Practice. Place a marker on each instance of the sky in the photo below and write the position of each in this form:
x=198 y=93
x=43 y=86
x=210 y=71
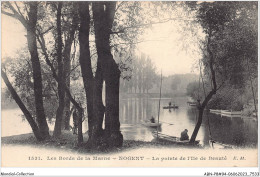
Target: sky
x=173 y=50
x=163 y=43
x=13 y=37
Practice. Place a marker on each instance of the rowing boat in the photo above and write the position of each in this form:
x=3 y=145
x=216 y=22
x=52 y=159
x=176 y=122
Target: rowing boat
x=172 y=139
x=150 y=124
x=171 y=107
x=217 y=145
x=192 y=103
x=216 y=111
x=224 y=112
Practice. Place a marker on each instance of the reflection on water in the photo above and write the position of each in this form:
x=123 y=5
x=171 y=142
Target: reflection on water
x=236 y=131
x=13 y=123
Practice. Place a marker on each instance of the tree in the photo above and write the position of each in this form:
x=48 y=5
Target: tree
x=49 y=44
x=151 y=76
x=30 y=25
x=93 y=85
x=61 y=79
x=21 y=105
x=50 y=54
x=223 y=52
x=20 y=69
x=69 y=29
x=192 y=90
x=103 y=16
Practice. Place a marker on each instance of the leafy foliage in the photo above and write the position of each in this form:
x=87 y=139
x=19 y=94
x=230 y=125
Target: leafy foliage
x=20 y=70
x=231 y=28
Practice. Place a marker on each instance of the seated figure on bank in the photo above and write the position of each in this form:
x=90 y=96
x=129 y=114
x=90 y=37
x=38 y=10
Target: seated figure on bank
x=184 y=135
x=152 y=120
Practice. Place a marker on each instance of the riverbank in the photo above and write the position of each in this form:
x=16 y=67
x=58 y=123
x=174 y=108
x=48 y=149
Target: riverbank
x=68 y=141
x=25 y=151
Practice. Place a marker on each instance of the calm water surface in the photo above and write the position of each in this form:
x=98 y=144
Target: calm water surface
x=133 y=111
x=236 y=130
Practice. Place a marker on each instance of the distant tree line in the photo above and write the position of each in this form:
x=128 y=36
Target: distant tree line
x=142 y=75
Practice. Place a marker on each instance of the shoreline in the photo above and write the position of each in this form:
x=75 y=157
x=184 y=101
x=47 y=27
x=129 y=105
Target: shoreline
x=68 y=141
x=25 y=151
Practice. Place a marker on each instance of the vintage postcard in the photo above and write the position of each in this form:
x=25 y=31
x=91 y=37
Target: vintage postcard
x=130 y=84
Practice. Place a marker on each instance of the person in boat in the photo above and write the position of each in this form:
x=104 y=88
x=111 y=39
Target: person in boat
x=184 y=135
x=152 y=120
x=75 y=121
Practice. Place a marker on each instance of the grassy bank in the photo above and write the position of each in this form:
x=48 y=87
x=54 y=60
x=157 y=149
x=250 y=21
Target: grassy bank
x=69 y=141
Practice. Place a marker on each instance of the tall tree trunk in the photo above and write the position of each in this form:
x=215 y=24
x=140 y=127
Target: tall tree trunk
x=200 y=117
x=93 y=86
x=80 y=135
x=98 y=106
x=251 y=83
x=103 y=14
x=61 y=83
x=36 y=67
x=202 y=106
x=85 y=61
x=25 y=111
x=67 y=68
x=66 y=120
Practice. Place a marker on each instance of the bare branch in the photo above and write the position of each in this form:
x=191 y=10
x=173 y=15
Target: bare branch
x=44 y=50
x=11 y=7
x=15 y=14
x=8 y=14
x=131 y=43
x=50 y=28
x=72 y=70
x=93 y=54
x=26 y=9
x=19 y=12
x=221 y=85
x=149 y=24
x=119 y=5
x=76 y=68
x=117 y=32
x=55 y=76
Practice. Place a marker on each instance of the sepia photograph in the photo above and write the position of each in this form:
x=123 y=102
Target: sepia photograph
x=129 y=84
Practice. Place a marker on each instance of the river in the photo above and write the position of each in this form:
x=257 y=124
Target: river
x=133 y=111
x=235 y=131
